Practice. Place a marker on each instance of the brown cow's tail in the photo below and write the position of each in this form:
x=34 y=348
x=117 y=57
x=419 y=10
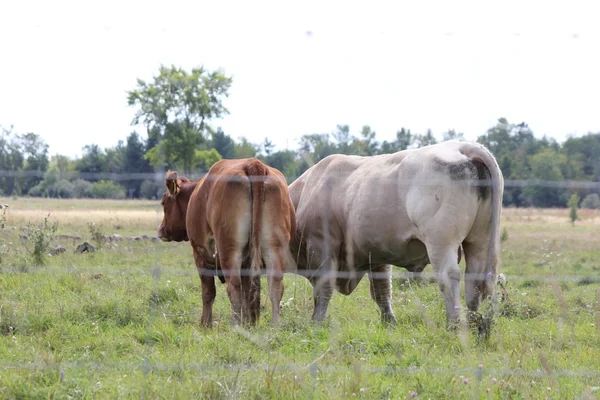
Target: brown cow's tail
x=478 y=153
x=256 y=172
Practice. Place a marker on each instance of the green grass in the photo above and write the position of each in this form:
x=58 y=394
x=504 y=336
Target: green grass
x=123 y=323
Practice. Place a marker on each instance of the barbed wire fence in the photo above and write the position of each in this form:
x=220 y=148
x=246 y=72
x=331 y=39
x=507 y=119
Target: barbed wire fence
x=397 y=273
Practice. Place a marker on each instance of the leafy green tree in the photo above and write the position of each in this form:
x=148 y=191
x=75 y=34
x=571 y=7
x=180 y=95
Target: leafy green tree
x=451 y=134
x=404 y=140
x=35 y=152
x=546 y=166
x=317 y=146
x=268 y=146
x=92 y=162
x=223 y=143
x=134 y=162
x=204 y=159
x=343 y=139
x=285 y=161
x=573 y=205
x=177 y=108
x=11 y=159
x=365 y=145
x=586 y=150
x=426 y=139
x=245 y=149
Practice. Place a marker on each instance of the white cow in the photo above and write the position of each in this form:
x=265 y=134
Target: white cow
x=358 y=215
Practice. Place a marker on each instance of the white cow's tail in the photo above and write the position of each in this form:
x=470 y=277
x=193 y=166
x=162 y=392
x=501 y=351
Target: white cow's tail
x=478 y=153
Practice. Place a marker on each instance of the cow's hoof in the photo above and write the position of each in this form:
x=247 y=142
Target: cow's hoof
x=389 y=320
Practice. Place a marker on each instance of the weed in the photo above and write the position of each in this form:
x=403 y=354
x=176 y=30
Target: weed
x=41 y=237
x=96 y=234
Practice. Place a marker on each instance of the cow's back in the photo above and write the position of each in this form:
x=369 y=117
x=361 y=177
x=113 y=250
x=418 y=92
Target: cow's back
x=376 y=207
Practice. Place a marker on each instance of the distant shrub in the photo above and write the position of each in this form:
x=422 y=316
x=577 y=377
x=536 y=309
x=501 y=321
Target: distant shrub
x=81 y=188
x=106 y=190
x=62 y=188
x=591 y=201
x=151 y=189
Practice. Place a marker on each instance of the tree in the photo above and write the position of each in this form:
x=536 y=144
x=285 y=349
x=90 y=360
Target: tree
x=35 y=152
x=343 y=139
x=404 y=140
x=114 y=158
x=223 y=143
x=11 y=159
x=365 y=145
x=268 y=146
x=245 y=149
x=317 y=146
x=92 y=162
x=573 y=205
x=134 y=162
x=451 y=134
x=426 y=139
x=546 y=166
x=204 y=159
x=177 y=108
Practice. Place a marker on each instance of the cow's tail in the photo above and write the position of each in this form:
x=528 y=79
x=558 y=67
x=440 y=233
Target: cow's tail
x=478 y=153
x=257 y=173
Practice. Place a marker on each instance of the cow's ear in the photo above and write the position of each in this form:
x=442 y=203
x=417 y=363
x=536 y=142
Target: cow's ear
x=172 y=183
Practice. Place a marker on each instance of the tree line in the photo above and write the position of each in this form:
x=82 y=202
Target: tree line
x=176 y=111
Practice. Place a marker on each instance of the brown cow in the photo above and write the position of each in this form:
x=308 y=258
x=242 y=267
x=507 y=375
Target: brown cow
x=242 y=210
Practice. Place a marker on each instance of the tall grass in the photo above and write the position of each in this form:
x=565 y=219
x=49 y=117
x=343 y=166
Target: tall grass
x=123 y=322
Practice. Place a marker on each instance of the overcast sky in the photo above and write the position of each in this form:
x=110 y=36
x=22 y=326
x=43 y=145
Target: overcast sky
x=306 y=66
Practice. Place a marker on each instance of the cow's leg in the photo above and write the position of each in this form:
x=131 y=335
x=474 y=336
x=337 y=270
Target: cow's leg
x=231 y=265
x=475 y=279
x=381 y=291
x=251 y=295
x=444 y=261
x=323 y=290
x=209 y=290
x=274 y=260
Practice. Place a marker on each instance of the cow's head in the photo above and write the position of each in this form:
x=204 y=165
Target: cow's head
x=174 y=202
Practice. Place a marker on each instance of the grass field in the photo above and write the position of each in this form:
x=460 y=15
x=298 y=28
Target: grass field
x=122 y=322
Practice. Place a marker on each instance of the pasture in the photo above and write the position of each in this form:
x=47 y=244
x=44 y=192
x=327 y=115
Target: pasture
x=122 y=322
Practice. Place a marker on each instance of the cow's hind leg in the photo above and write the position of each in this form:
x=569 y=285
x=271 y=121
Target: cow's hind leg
x=323 y=285
x=444 y=261
x=274 y=260
x=381 y=291
x=478 y=284
x=251 y=295
x=209 y=290
x=231 y=264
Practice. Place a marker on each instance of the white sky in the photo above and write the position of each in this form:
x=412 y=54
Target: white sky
x=65 y=65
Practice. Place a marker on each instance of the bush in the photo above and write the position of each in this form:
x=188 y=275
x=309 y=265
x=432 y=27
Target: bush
x=37 y=191
x=107 y=190
x=151 y=190
x=591 y=201
x=62 y=188
x=81 y=188
x=41 y=236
